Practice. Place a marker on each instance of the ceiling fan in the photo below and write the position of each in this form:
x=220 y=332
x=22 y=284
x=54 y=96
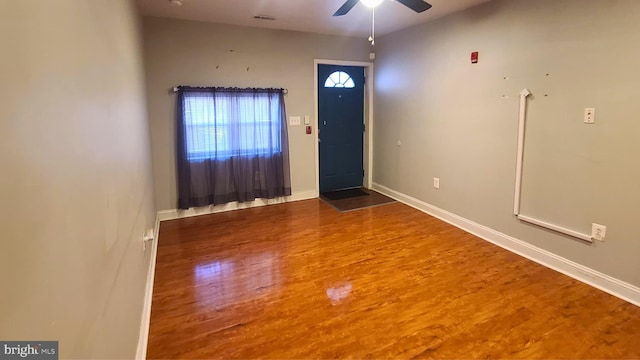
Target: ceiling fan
x=415 y=5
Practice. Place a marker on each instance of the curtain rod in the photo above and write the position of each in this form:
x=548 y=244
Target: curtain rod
x=175 y=89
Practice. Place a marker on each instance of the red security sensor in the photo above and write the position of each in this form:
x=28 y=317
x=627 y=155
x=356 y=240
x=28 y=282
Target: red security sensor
x=474 y=57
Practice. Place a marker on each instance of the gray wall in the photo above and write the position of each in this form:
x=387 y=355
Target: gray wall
x=458 y=121
x=203 y=54
x=76 y=188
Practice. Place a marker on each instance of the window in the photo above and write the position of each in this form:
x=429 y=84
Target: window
x=221 y=125
x=231 y=145
x=339 y=79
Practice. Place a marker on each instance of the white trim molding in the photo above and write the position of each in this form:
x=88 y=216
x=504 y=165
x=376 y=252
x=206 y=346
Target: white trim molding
x=143 y=338
x=606 y=283
x=173 y=214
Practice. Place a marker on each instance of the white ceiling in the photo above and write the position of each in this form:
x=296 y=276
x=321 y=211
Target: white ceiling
x=303 y=15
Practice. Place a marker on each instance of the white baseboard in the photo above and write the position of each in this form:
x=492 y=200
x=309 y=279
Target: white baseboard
x=178 y=214
x=143 y=338
x=606 y=283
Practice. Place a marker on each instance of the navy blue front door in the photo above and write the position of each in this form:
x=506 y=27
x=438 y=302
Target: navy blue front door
x=341 y=126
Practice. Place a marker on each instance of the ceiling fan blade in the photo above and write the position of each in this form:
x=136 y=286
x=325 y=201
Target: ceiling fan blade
x=346 y=7
x=415 y=5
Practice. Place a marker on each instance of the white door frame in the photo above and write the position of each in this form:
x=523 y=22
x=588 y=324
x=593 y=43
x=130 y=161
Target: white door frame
x=368 y=121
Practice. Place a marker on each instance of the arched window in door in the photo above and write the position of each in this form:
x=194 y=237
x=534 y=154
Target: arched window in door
x=339 y=79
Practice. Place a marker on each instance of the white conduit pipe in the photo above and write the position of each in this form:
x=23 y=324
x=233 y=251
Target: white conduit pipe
x=516 y=201
x=521 y=122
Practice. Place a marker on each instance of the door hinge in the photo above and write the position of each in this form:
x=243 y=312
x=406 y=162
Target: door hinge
x=364 y=127
x=362 y=172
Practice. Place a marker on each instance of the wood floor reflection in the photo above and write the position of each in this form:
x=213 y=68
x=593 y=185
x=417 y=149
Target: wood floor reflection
x=301 y=280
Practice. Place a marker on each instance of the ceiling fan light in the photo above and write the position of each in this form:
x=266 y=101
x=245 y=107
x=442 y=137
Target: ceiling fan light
x=371 y=3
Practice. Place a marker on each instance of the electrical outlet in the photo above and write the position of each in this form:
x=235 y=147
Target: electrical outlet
x=598 y=232
x=436 y=183
x=589 y=115
x=147 y=236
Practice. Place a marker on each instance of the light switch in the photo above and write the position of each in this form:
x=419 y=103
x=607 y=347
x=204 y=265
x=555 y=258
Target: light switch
x=307 y=120
x=294 y=120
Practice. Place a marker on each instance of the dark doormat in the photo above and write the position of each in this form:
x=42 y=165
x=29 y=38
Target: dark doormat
x=358 y=202
x=344 y=194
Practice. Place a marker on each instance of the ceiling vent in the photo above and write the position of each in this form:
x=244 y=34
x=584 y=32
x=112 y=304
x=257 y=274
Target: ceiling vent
x=264 y=17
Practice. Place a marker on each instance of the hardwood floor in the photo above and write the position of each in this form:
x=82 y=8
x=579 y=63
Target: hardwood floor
x=301 y=280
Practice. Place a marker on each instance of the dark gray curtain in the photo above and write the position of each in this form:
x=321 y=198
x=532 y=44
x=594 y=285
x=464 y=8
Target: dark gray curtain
x=231 y=145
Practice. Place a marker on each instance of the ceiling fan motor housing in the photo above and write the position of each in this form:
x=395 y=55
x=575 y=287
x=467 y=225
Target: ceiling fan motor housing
x=415 y=5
